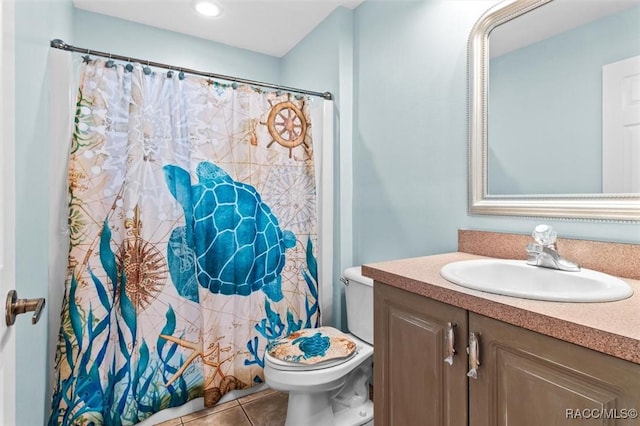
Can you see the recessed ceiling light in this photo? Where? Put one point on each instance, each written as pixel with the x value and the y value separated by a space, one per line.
pixel 207 8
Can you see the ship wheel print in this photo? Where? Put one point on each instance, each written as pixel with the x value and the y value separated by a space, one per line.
pixel 287 125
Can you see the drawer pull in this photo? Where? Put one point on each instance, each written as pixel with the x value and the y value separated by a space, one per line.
pixel 451 343
pixel 474 355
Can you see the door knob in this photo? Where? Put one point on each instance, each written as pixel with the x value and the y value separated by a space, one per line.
pixel 15 307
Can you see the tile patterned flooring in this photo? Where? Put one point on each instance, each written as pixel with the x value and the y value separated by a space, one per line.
pixel 265 408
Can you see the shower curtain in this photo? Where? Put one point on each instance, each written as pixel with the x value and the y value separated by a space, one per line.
pixel 192 219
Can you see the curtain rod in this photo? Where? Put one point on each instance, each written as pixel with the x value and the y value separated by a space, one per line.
pixel 60 44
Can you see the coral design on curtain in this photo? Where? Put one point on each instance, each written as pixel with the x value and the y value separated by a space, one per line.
pixel 192 215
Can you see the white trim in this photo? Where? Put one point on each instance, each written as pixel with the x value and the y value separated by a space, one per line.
pixel 326 191
pixel 7 208
pixel 321 112
pixel 345 188
pixel 62 102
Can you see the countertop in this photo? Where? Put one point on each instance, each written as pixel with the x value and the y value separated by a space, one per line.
pixel 612 328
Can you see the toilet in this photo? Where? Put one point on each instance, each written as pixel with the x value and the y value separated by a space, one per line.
pixel 335 390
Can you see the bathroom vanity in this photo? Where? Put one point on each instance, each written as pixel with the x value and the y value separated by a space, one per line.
pixel 449 355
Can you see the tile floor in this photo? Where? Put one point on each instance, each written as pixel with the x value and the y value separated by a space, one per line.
pixel 265 408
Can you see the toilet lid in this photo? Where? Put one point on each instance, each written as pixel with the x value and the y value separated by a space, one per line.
pixel 312 346
pixel 293 366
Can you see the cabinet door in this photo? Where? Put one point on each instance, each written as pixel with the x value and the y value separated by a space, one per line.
pixel 528 379
pixel 412 384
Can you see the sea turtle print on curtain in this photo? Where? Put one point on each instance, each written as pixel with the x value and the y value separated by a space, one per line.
pixel 193 241
pixel 239 246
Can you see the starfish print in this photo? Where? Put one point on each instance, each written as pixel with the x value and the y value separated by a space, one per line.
pixel 218 364
pixel 198 351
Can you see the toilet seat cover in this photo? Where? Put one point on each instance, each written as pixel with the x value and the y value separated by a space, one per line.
pixel 312 346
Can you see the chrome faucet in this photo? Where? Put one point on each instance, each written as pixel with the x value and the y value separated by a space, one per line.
pixel 544 252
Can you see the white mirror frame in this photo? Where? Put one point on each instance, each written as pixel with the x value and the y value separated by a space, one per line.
pixel 606 207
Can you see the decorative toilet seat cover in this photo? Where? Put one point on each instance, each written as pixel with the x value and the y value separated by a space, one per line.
pixel 312 346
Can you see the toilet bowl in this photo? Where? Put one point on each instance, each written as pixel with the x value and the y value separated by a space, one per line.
pixel 333 391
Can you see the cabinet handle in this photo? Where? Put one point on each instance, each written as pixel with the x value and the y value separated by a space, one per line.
pixel 474 355
pixel 451 343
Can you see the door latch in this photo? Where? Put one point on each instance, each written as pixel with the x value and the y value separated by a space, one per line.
pixel 15 307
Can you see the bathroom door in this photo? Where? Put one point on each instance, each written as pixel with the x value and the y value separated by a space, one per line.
pixel 621 126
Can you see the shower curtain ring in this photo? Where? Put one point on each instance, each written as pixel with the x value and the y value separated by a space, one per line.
pixel 146 70
pixel 110 63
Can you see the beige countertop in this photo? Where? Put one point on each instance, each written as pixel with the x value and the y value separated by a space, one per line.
pixel 612 327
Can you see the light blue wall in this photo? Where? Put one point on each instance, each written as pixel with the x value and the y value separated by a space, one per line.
pixel 548 97
pixel 37 21
pixel 322 62
pixel 410 145
pixel 314 63
pixel 108 34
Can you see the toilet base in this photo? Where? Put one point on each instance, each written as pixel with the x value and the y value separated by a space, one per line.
pixel 346 405
pixel 315 409
pixel 362 415
pixel 309 408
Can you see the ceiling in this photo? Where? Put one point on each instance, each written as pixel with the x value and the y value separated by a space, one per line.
pixel 271 27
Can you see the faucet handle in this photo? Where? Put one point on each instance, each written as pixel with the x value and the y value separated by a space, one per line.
pixel 545 235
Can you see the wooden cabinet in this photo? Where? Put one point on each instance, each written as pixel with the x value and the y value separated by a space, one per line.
pixel 524 378
pixel 412 384
pixel 527 378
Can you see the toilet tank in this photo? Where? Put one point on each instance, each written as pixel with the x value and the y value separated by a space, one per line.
pixel 359 296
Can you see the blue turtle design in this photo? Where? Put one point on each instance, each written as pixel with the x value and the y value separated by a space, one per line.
pixel 231 233
pixel 313 346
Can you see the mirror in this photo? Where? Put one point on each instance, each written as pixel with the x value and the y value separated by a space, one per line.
pixel 546 139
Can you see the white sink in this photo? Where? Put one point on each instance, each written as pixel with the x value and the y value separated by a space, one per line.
pixel 516 278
